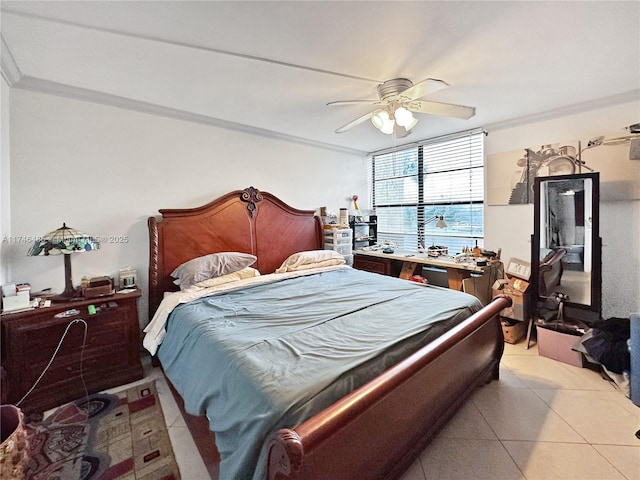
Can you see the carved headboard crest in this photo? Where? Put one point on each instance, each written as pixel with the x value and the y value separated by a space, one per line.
pixel 252 196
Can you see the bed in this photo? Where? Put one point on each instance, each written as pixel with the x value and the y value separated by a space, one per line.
pixel 369 421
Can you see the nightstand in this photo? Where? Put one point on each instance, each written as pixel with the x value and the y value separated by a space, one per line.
pixel 111 354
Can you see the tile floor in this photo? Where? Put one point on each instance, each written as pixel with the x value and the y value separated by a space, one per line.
pixel 542 420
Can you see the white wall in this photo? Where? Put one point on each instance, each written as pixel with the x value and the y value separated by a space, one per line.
pixel 5 226
pixel 104 170
pixel 510 227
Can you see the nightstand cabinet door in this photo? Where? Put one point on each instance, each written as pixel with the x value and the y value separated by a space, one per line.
pixel 110 357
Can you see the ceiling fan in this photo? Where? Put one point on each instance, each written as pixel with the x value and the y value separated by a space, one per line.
pixel 399 97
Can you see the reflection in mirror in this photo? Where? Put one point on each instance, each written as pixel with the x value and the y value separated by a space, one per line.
pixel 567 226
pixel 566 238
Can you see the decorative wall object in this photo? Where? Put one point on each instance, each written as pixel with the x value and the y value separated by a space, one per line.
pixel 510 175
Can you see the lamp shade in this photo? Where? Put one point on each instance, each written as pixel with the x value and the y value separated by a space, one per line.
pixel 65 241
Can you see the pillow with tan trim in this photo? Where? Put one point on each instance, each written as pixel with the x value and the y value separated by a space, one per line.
pixel 210 266
pixel 311 259
pixel 246 272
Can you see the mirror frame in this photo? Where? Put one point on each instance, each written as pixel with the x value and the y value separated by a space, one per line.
pixel 596 255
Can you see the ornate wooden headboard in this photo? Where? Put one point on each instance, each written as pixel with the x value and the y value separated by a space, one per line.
pixel 247 221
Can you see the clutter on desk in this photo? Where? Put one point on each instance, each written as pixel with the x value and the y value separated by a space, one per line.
pixel 435 250
pixel 491 254
pixel 380 246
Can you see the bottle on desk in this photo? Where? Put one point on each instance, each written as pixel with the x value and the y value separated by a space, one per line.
pixel 477 251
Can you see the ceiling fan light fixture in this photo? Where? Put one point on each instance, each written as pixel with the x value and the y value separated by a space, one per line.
pixel 383 122
pixel 387 128
pixel 403 117
pixel 412 124
pixel 378 119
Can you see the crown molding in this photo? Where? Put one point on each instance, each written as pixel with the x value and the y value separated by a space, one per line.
pixel 189 45
pixel 631 96
pixel 8 66
pixel 77 93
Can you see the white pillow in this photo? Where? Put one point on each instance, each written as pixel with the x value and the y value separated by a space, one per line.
pixel 246 272
pixel 210 266
pixel 311 259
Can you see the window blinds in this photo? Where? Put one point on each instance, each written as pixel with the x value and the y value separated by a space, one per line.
pixel 437 177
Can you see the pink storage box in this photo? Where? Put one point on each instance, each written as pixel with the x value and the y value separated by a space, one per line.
pixel 557 345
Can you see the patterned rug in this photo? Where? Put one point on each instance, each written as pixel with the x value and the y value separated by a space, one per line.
pixel 121 436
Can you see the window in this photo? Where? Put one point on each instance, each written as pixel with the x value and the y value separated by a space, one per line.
pixel 415 185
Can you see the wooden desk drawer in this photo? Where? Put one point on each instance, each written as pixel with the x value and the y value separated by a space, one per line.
pixel 371 264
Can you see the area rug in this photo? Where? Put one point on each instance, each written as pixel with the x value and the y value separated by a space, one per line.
pixel 121 436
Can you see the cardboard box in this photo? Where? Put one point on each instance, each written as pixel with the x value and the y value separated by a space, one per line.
pixel 513 331
pixel 515 289
pixel 558 346
pixel 518 268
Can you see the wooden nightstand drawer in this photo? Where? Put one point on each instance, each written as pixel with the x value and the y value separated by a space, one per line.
pixel 111 354
pixel 64 367
pixel 102 330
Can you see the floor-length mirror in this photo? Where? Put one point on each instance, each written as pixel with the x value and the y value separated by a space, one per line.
pixel 566 246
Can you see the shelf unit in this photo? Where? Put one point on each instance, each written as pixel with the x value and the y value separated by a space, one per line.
pixel 340 240
pixel 365 232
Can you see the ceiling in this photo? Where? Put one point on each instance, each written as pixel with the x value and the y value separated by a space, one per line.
pixel 271 67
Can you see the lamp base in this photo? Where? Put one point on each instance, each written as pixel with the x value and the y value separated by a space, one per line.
pixel 68 296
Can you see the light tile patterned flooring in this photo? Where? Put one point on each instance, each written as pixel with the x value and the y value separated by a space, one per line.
pixel 542 420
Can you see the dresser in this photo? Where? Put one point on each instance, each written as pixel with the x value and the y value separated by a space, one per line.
pixel 110 357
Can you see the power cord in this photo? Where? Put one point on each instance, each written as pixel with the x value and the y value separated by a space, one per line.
pixel 84 341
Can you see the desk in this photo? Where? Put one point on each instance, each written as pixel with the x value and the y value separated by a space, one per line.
pixel 456 271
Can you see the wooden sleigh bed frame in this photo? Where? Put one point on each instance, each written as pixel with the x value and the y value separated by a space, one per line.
pixel 379 429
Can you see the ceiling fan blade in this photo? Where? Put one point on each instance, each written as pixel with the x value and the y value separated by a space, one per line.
pixel 357 121
pixel 444 109
pixel 420 89
pixel 355 102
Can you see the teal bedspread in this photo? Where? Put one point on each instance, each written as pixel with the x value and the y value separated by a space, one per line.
pixel 269 356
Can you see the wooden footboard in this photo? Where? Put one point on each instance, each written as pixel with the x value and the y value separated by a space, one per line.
pixel 378 430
